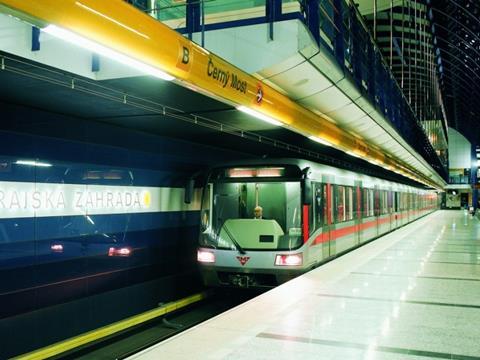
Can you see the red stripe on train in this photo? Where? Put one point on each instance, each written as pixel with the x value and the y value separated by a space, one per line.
pixel 338 233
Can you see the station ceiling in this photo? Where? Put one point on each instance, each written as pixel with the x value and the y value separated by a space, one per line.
pixel 420 36
pixel 145 104
pixel 157 107
pixel 457 40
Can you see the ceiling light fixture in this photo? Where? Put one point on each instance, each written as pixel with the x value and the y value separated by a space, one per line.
pixel 258 115
pixel 104 51
pixel 321 141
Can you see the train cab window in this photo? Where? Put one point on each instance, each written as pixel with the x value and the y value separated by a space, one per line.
pixel 232 222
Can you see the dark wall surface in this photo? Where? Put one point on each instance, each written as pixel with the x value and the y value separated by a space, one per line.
pixel 93 227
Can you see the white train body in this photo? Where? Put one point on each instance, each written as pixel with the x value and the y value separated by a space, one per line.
pixel 311 214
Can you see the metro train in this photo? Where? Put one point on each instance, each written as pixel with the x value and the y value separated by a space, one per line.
pixel 311 214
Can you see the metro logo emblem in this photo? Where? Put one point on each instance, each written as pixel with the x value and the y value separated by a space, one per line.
pixel 259 96
pixel 243 259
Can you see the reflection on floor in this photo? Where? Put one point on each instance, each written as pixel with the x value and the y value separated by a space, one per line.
pixel 413 294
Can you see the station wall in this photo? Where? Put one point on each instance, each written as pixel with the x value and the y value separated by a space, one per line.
pixel 93 226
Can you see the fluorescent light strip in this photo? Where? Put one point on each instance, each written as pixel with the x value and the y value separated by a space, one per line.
pixel 104 51
pixel 351 153
pixel 110 19
pixel 259 115
pixel 321 141
pixel 32 163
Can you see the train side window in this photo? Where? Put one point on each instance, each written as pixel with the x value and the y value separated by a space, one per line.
pixel 381 202
pixel 365 203
pixel 318 205
pixel 390 201
pixel 340 204
pixel 349 204
pixel 206 215
pixel 385 202
pixel 371 200
pixel 327 204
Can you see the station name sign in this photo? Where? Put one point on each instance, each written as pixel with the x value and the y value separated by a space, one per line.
pixel 28 199
pixel 225 77
pixel 19 199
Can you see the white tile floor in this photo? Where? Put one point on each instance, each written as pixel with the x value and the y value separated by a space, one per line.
pixel 413 294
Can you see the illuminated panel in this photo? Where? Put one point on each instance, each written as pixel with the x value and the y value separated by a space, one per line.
pixel 25 199
pixel 58 248
pixel 123 252
pixel 256 172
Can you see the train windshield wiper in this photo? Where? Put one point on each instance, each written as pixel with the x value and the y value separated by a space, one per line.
pixel 235 242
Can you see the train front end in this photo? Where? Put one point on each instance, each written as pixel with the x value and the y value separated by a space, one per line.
pixel 251 230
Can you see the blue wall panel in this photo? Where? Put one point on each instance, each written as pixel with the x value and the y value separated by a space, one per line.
pixel 58 278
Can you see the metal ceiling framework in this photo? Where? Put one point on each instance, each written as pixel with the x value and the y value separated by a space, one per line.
pixel 403 32
pixel 456 35
pixel 433 48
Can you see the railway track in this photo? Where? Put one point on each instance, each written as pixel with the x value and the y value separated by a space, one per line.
pixel 128 342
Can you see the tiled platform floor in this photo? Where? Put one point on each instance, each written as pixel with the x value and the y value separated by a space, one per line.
pixel 413 294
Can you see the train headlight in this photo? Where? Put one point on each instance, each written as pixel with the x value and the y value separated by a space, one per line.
pixel 289 260
pixel 205 256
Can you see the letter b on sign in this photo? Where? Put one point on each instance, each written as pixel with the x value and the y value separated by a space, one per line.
pixel 185 57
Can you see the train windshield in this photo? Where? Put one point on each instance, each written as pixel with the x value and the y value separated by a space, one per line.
pixel 252 216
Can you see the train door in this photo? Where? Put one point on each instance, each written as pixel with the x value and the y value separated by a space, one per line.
pixel 410 207
pixel 368 222
pixel 390 195
pixel 328 219
pixel 319 225
pixel 358 211
pixel 376 209
pixel 396 211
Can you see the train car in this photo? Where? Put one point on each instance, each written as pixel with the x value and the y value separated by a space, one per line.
pixel 267 221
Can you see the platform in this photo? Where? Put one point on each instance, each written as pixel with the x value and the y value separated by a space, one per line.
pixel 412 294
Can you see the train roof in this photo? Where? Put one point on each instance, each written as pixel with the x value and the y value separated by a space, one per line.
pixel 323 172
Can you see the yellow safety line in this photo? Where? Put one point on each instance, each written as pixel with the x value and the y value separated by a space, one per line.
pixel 111 329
